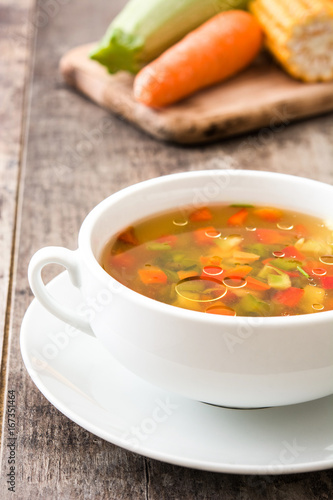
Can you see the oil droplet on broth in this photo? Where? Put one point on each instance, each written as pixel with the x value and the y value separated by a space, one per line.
pixel 317 307
pixel 199 289
pixel 326 259
pixel 213 270
pixel 234 236
pixel 213 234
pixel 278 254
pixel 250 228
pixel 285 226
pixel 222 310
pixel 319 271
pixel 234 282
pixel 180 222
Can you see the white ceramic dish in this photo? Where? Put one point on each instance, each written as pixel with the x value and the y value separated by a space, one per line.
pixel 229 361
pixel 80 378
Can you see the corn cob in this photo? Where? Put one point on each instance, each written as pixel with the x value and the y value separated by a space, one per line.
pixel 299 33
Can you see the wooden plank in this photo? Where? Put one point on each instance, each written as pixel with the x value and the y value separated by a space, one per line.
pixel 167 482
pixel 77 154
pixel 258 97
pixel 54 457
pixel 15 41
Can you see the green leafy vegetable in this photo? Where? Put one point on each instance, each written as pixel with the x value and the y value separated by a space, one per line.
pixel 279 281
pixel 251 304
pixel 301 270
pixel 286 264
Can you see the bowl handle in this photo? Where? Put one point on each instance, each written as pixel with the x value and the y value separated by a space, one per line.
pixel 70 260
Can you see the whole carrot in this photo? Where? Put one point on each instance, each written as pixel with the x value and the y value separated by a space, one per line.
pixel 216 50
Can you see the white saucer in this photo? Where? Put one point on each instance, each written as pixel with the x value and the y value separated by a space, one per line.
pixel 87 384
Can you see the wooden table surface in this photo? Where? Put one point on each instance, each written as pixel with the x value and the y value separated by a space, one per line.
pixel 60 156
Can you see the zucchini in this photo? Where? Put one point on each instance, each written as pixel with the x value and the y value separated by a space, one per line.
pixel 145 29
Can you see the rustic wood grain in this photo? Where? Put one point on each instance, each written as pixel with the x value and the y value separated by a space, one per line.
pixel 76 155
pixel 258 97
pixel 15 41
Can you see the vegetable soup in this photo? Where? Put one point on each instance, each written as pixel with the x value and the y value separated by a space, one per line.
pixel 233 260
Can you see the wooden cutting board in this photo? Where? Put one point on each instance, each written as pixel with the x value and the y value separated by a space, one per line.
pixel 261 97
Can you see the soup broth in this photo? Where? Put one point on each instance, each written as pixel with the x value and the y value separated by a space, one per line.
pixel 234 260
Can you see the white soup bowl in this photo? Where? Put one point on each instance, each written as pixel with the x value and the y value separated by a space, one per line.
pixel 242 362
